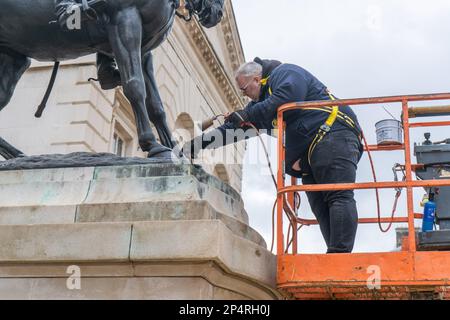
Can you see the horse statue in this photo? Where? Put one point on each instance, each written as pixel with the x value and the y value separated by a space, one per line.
pixel 128 31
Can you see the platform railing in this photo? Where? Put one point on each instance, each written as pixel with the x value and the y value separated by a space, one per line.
pixel 409 184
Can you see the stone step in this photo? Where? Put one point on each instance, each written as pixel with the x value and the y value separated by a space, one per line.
pixel 218 193
pixel 136 183
pixel 81 174
pixel 126 212
pixel 138 242
pixel 165 211
pixel 177 188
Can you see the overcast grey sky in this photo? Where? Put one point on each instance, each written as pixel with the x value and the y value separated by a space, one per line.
pixel 358 48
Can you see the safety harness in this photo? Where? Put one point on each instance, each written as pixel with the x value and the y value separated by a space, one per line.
pixel 324 129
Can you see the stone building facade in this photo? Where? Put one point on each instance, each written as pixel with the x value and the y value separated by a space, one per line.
pixel 194 70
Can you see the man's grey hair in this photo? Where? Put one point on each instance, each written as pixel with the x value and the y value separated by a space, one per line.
pixel 249 69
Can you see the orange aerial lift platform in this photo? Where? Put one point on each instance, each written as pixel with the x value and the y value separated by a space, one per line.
pixel 412 273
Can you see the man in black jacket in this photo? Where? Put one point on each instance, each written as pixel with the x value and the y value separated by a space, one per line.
pixel 323 145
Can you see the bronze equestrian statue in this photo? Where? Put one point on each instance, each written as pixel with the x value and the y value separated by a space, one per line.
pixel 124 30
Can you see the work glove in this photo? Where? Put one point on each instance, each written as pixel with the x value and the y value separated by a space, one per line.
pixel 238 118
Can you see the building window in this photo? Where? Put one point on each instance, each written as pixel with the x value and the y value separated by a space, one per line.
pixel 119 145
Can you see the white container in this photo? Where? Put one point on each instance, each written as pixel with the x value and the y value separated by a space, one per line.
pixel 389 132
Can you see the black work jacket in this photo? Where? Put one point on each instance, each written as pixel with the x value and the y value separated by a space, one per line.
pixel 290 83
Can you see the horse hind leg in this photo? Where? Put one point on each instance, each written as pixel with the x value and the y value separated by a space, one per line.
pixel 12 67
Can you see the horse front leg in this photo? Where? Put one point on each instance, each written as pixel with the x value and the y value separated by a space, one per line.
pixel 125 37
pixel 154 104
pixel 12 67
pixel 9 152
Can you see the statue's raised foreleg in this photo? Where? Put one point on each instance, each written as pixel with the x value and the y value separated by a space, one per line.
pixel 125 37
pixel 154 104
pixel 12 67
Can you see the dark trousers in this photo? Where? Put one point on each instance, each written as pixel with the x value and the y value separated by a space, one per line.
pixel 335 160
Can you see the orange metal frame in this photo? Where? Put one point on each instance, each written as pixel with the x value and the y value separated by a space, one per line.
pixel 312 276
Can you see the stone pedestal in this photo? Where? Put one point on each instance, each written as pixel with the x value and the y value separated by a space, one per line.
pixel 147 231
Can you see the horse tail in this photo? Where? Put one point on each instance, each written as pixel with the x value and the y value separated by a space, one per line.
pixel 43 104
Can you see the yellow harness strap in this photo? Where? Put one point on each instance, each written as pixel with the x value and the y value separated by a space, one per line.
pixel 334 113
pixel 326 127
pixel 264 81
pixel 349 121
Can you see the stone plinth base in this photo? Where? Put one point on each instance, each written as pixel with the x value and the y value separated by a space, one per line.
pixel 153 231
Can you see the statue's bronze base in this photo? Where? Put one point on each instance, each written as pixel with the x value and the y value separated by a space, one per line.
pixel 78 159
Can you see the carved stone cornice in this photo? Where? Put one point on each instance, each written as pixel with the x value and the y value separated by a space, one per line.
pixel 211 58
pixel 231 36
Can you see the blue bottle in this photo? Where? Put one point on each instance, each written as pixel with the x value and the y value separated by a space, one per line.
pixel 429 213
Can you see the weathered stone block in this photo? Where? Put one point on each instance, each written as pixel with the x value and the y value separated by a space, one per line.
pixel 202 240
pixel 68 242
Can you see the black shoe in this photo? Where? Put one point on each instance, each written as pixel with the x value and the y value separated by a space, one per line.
pixel 109 79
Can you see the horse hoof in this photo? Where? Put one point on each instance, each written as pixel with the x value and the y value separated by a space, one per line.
pixel 160 153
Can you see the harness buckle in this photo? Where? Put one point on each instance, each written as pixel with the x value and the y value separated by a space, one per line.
pixel 325 128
